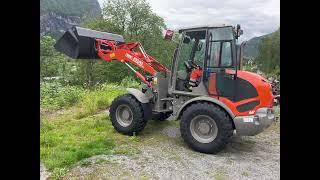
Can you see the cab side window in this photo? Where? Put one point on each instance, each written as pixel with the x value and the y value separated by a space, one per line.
pixel 220 54
pixel 226 60
pixel 214 55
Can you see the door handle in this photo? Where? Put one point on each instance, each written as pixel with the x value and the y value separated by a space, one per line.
pixel 222 70
pixel 232 76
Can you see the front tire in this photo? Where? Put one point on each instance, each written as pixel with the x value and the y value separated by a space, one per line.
pixel 206 127
pixel 127 115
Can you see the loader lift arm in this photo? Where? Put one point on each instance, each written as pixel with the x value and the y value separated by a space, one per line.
pixel 125 53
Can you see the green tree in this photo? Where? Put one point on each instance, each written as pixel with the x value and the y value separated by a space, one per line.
pixel 52 63
pixel 55 64
pixel 134 20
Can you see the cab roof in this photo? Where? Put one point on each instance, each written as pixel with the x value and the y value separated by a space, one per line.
pixel 203 26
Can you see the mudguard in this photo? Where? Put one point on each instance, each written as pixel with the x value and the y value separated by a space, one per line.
pixel 139 95
pixel 144 100
pixel 208 99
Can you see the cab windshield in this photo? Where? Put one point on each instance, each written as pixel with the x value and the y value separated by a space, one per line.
pixel 192 48
pixel 218 34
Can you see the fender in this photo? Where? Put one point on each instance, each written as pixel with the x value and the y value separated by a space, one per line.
pixel 208 99
pixel 139 95
pixel 144 100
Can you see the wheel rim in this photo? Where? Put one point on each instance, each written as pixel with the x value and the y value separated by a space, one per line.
pixel 203 128
pixel 124 115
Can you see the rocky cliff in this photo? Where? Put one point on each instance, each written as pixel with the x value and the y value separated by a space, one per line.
pixel 58 15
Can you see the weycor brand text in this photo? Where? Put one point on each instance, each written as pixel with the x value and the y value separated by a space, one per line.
pixel 134 59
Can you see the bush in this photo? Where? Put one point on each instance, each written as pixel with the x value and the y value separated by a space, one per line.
pixel 55 96
pixel 129 82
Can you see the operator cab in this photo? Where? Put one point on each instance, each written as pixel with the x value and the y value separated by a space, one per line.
pixel 205 60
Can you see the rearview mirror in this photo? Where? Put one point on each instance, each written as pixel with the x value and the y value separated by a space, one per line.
pixel 239 31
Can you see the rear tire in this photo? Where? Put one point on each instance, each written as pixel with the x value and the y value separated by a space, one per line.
pixel 206 127
pixel 127 115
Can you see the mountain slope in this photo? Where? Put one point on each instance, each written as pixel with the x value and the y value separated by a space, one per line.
pixel 268 60
pixel 252 46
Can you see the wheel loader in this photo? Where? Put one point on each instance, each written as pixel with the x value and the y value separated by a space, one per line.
pixel 204 88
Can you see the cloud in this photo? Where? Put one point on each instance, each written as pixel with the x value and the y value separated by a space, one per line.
pixel 256 17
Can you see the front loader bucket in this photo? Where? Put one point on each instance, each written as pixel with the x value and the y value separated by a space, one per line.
pixel 79 43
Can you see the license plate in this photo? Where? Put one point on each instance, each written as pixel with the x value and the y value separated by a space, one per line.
pixel 248 119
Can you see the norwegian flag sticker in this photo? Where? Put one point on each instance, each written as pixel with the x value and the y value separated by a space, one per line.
pixel 169 34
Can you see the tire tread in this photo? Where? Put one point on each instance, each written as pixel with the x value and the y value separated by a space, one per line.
pixel 139 121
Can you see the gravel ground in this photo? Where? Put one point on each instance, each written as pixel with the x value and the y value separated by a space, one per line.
pixel 255 157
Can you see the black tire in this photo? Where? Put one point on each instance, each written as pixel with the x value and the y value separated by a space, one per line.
pixel 218 115
pixel 161 116
pixel 138 122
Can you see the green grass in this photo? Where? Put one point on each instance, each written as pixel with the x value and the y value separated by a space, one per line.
pixel 73 126
pixel 245 173
pixel 99 99
pixel 73 131
pixel 65 141
pixel 79 132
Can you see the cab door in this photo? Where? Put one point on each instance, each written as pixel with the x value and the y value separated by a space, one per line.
pixel 220 71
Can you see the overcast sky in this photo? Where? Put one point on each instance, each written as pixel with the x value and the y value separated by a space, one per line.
pixel 256 17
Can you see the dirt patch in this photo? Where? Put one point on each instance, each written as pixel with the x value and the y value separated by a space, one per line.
pixel 164 155
pixel 44 174
pixel 107 111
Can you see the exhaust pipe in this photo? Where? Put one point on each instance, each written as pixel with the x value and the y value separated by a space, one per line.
pixel 79 43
